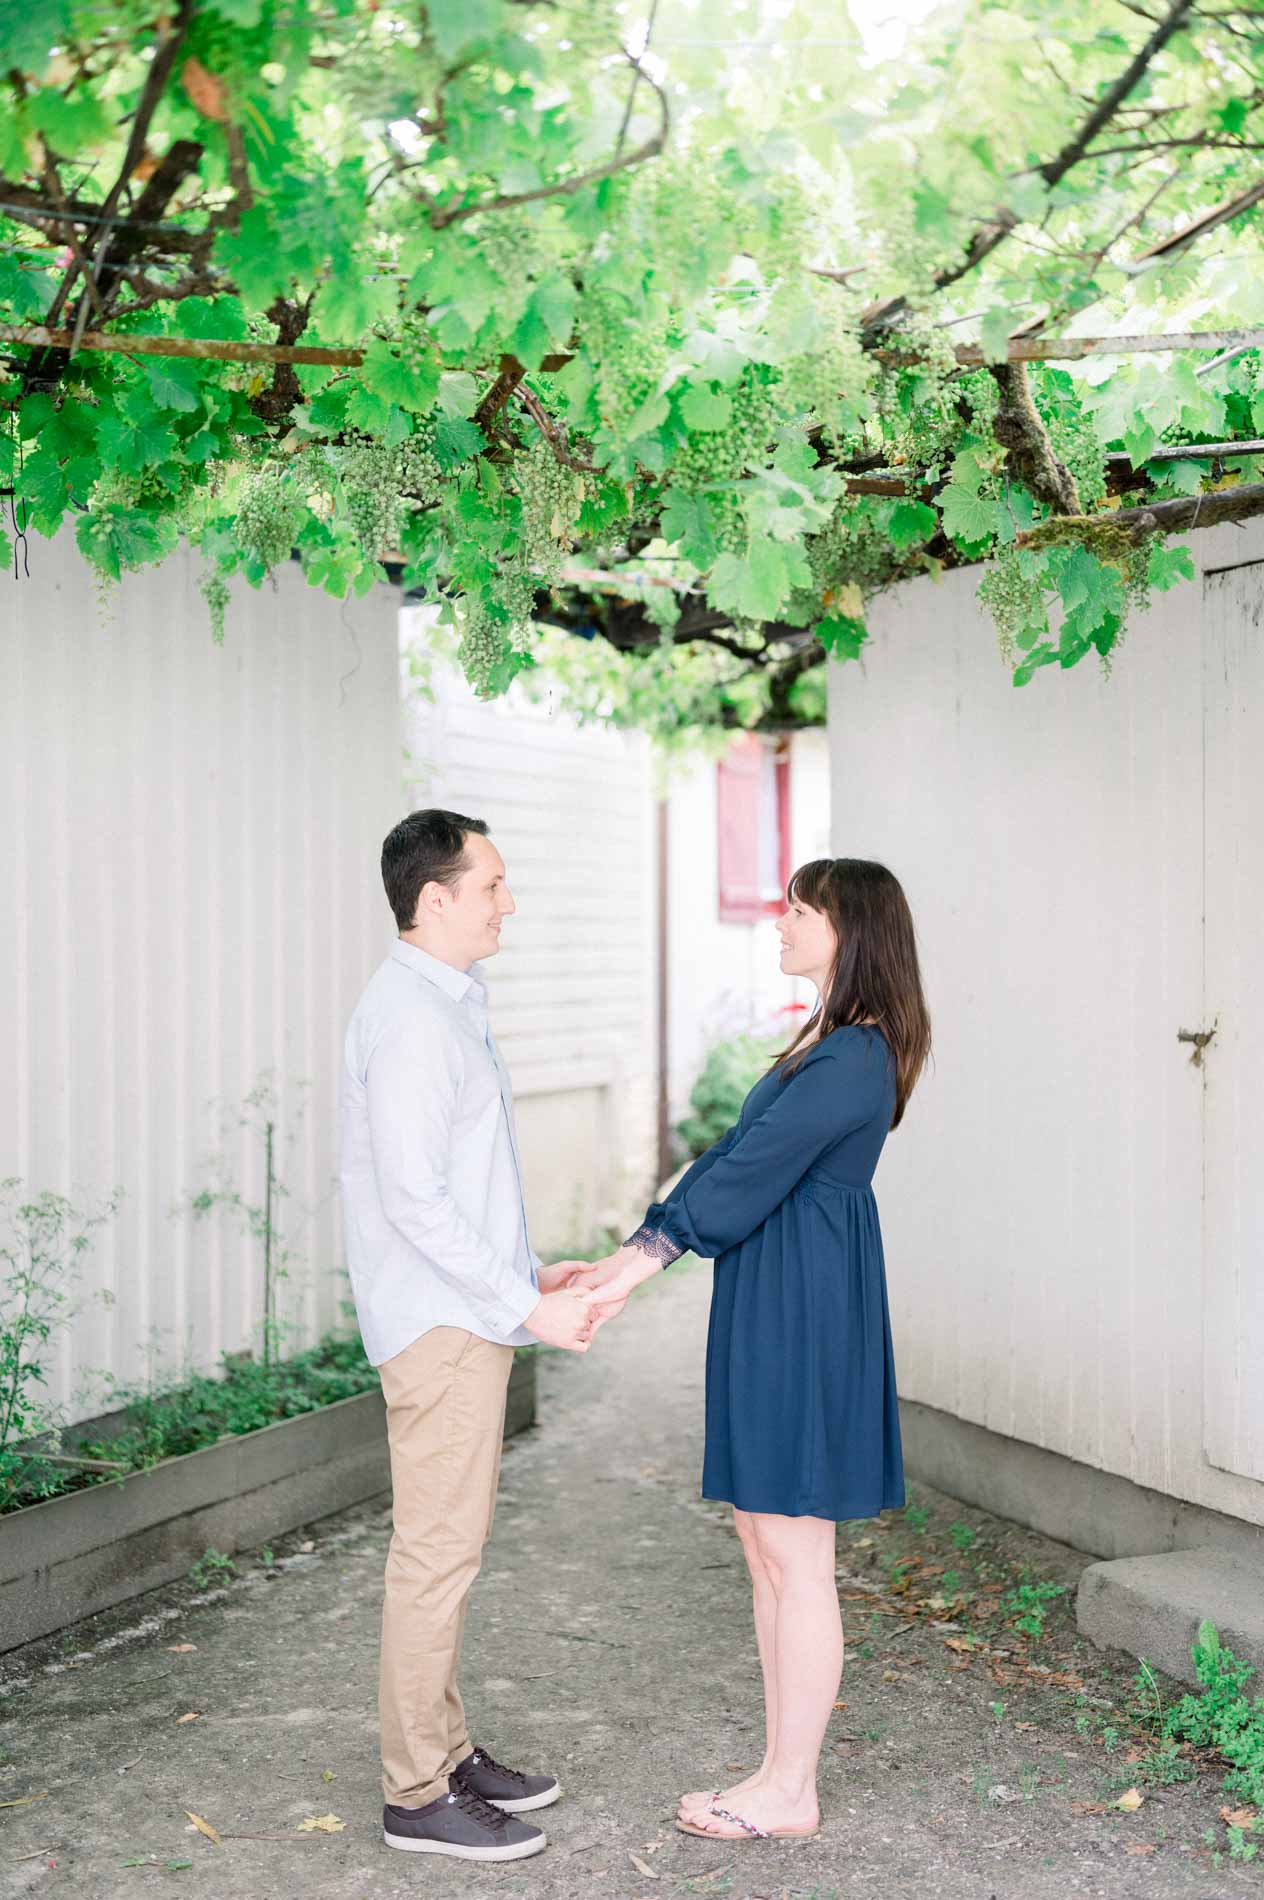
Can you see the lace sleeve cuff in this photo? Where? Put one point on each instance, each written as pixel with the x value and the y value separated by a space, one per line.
pixel 654 1242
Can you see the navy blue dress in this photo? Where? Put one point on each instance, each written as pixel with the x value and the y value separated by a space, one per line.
pixel 801 1405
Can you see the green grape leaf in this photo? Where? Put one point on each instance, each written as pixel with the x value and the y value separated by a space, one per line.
pixel 244 13
pixel 705 408
pixel 967 516
pixel 366 410
pixel 456 439
pixel 911 523
pixel 115 538
pixel 413 385
pixel 841 636
pixel 128 442
pixel 29 31
pixel 458 392
pixel 172 384
pixel 686 520
pixel 68 123
pixel 1166 566
pixel 1177 477
pixel 456 24
pixel 13 135
pixel 994 333
pixel 758 584
pixel 399 426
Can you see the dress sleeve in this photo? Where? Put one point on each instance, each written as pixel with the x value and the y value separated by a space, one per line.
pixel 653 1241
pixel 833 1093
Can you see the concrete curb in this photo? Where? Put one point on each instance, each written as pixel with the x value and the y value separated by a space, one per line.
pixel 73 1556
pixel 1152 1606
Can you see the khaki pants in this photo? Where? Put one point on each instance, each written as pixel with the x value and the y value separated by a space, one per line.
pixel 445 1415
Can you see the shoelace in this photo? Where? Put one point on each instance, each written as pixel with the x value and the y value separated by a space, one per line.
pixel 478 1810
pixel 480 1757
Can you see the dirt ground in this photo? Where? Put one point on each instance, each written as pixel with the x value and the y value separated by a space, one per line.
pixel 610 1642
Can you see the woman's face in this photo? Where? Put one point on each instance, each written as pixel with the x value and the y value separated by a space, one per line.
pixel 808 943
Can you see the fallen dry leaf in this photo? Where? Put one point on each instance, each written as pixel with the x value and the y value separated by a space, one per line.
pixel 1131 1801
pixel 642 1868
pixel 840 1705
pixel 962 1644
pixel 327 1774
pixel 1139 1847
pixel 735 1767
pixel 1089 1807
pixel 204 1827
pixel 181 1649
pixel 1239 1817
pixel 321 1824
pixel 204 89
pixel 890 1675
pixel 194 1715
pixel 1026 1725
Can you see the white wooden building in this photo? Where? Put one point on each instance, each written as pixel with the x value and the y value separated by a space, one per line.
pixel 1074 1208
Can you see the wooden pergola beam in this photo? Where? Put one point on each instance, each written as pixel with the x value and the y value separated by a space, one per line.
pixel 1066 349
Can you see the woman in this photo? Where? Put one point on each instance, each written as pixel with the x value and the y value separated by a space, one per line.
pixel 802 1428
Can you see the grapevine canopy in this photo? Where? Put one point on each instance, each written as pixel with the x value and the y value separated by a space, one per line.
pixel 684 335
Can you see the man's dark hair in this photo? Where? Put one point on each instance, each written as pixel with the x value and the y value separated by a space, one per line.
pixel 424 847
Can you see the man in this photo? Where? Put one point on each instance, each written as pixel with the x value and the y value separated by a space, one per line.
pixel 446 1285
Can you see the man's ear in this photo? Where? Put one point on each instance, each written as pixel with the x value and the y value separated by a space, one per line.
pixel 432 900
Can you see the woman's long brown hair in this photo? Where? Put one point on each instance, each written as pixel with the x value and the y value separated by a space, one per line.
pixel 875 973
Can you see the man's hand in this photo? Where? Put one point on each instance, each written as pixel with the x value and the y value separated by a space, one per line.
pixel 560 1273
pixel 564 1318
pixel 609 1282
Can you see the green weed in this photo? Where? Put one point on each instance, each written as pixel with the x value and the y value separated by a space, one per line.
pixel 212 1567
pixel 1026 1604
pixel 1222 1718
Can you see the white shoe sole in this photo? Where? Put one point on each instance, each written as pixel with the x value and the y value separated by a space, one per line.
pixel 518 1850
pixel 544 1800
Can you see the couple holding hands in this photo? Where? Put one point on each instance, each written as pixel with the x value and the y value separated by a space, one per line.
pixel 802 1427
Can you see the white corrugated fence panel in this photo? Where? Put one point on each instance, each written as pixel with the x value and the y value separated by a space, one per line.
pixel 190 842
pixel 1042 1204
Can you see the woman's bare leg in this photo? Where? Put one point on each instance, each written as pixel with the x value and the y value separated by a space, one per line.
pixel 765 1606
pixel 798 1555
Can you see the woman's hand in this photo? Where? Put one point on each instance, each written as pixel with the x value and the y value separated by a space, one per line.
pixel 611 1280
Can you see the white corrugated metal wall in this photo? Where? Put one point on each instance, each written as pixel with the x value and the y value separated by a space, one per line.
pixel 189 850
pixel 1043 1204
pixel 573 990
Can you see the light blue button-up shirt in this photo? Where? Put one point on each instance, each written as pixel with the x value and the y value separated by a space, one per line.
pixel 433 1215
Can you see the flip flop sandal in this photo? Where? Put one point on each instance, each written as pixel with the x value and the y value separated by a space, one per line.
pixel 749 1830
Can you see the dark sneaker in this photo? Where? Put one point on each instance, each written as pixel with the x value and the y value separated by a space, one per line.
pixel 462 1824
pixel 504 1787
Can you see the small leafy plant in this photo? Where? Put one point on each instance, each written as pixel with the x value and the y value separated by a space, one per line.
pixel 1026 1603
pixel 1222 1718
pixel 728 1075
pixel 42 1244
pixel 212 1567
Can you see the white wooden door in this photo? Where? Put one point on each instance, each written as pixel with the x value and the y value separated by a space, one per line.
pixel 1233 1000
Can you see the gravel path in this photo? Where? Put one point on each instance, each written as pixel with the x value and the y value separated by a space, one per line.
pixel 609 1641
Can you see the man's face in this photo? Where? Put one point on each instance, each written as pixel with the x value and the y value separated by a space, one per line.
pixel 481 900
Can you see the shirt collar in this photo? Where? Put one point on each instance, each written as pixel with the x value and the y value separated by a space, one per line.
pixel 454 983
